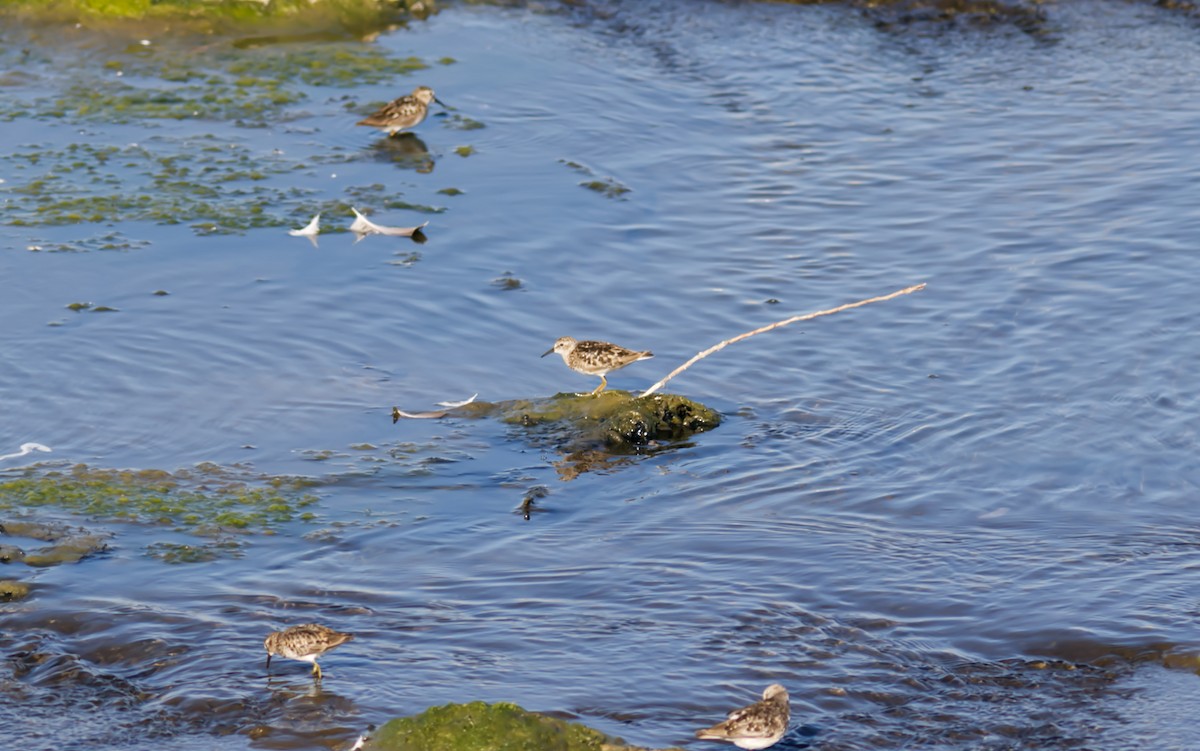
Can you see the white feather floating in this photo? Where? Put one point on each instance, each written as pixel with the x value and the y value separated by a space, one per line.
pixel 363 226
pixel 311 230
pixel 26 448
pixel 398 413
pixel 463 403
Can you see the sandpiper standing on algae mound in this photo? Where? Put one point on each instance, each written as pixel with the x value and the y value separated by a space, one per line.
pixel 406 112
pixel 595 358
pixel 305 643
pixel 758 726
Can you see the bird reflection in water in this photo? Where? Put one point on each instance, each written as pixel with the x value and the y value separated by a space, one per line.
pixel 406 151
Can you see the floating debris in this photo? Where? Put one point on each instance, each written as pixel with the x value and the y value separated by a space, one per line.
pixel 363 226
pixel 311 230
pixel 29 448
pixel 362 739
pixel 397 413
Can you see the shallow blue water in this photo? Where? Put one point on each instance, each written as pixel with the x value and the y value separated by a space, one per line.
pixel 906 507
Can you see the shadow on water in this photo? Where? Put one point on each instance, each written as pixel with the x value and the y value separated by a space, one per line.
pixel 404 151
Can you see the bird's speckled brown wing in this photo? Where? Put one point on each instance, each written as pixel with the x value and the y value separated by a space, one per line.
pixel 308 639
pixel 764 719
pixel 597 355
pixel 402 110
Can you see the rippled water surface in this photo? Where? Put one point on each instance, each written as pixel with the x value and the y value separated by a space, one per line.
pixel 964 518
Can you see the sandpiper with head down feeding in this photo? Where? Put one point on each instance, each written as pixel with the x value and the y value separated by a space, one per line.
pixel 305 643
pixel 595 358
pixel 758 726
pixel 406 112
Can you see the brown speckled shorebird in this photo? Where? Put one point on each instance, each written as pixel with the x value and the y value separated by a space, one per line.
pixel 760 725
pixel 305 643
pixel 406 112
pixel 595 358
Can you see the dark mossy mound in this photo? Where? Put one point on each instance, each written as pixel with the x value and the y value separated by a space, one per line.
pixel 614 420
pixel 13 590
pixel 488 727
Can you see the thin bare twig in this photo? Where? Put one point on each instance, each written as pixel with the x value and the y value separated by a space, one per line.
pixel 777 324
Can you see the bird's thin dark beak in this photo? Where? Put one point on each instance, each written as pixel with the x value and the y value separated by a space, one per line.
pixel 439 101
pixel 268 660
pixel 547 351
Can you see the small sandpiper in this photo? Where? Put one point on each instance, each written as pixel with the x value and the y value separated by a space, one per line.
pixel 760 725
pixel 406 112
pixel 595 358
pixel 305 643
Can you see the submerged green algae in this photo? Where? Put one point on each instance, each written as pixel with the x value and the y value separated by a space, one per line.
pixel 204 175
pixel 249 86
pixel 167 182
pixel 205 500
pixel 214 186
pixel 177 78
pixel 361 16
pixel 609 187
pixel 488 727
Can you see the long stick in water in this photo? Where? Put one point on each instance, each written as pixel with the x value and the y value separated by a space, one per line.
pixel 777 324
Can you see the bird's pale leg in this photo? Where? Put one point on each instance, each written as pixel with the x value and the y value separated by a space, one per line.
pixel 316 670
pixel 603 383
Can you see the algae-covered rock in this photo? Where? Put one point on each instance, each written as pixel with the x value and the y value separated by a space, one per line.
pixel 615 420
pixel 593 432
pixel 67 544
pixel 67 550
pixel 10 553
pixel 13 590
pixel 489 727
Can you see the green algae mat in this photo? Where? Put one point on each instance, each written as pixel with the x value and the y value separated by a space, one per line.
pixel 489 727
pixel 359 14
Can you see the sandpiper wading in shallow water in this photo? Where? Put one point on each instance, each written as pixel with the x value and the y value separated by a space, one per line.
pixel 757 726
pixel 305 643
pixel 595 358
pixel 406 112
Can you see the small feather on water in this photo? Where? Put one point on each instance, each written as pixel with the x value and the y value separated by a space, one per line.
pixel 28 448
pixel 363 226
pixel 397 413
pixel 463 403
pixel 311 230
